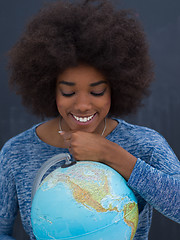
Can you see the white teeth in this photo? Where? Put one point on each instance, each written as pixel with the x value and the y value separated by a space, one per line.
pixel 85 119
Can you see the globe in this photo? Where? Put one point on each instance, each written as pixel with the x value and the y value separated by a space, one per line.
pixel 85 201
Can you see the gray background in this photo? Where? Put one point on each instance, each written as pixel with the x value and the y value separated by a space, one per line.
pixel 161 21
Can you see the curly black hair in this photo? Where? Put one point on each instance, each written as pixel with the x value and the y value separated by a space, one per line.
pixel 64 34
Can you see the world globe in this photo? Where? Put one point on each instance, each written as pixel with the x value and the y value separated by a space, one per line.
pixel 86 201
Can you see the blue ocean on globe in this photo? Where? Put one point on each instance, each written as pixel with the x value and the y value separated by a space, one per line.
pixel 87 201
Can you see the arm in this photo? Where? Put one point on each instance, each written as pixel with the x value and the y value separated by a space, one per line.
pixel 8 200
pixel 157 182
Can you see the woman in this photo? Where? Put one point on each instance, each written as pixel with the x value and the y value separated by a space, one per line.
pixel 84 66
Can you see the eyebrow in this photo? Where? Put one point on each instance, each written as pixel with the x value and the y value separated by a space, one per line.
pixel 92 84
pixel 98 83
pixel 67 83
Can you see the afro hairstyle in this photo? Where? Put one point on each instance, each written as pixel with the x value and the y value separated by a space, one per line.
pixel 64 34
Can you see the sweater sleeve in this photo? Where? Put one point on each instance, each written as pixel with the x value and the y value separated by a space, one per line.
pixel 8 199
pixel 158 181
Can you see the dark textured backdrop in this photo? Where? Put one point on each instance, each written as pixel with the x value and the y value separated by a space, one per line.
pixel 161 20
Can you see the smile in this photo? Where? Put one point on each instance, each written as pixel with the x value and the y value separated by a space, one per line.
pixel 83 119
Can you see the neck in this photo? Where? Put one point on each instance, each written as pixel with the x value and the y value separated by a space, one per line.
pixel 102 133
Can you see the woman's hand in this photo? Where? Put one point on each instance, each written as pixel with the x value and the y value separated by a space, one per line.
pixel 93 147
pixel 85 146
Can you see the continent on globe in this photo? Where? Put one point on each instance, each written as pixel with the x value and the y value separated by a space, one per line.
pixel 131 219
pixel 86 201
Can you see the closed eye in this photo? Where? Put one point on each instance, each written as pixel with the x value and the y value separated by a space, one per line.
pixel 67 94
pixel 98 94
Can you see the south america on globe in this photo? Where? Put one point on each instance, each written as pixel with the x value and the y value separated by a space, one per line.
pixel 86 201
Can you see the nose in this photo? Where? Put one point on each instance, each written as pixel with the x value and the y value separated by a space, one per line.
pixel 82 103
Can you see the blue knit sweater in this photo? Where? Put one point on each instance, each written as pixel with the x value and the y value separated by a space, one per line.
pixel 155 179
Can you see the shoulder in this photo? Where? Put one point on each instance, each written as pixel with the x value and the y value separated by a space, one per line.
pixel 138 134
pixel 19 142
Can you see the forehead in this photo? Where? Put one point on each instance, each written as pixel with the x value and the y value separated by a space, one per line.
pixel 82 74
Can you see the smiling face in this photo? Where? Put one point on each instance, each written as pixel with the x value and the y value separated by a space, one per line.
pixel 83 99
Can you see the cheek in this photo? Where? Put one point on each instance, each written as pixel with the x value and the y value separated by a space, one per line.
pixel 60 103
pixel 64 104
pixel 106 104
pixel 108 99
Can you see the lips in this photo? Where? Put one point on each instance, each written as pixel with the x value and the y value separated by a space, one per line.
pixel 82 119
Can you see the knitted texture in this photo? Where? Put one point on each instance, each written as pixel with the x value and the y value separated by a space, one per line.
pixel 154 180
